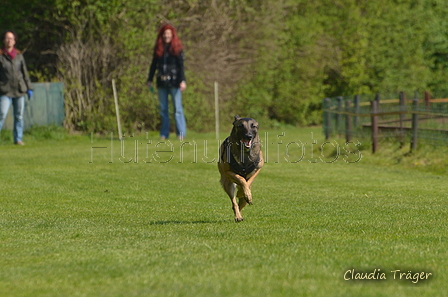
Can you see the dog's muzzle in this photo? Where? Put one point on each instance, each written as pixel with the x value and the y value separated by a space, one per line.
pixel 247 141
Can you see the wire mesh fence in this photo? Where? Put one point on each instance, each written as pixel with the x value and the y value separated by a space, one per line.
pixel 402 118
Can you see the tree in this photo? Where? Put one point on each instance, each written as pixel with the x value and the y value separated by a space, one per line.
pixel 274 60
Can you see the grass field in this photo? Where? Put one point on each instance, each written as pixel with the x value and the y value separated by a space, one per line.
pixel 76 220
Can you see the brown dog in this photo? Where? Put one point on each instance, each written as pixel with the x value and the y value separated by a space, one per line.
pixel 240 162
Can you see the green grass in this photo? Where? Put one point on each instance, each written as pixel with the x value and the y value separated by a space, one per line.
pixel 74 228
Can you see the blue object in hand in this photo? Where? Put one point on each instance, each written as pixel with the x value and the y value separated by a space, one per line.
pixel 30 93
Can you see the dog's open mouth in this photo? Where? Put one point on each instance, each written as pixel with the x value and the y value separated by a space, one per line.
pixel 247 142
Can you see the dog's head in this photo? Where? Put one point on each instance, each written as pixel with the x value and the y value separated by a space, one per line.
pixel 245 130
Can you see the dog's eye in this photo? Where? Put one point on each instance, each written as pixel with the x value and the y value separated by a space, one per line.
pixel 254 126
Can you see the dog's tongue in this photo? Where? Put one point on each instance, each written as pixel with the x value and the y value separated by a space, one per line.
pixel 247 143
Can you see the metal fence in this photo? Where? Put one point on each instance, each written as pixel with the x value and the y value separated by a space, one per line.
pixel 414 119
pixel 46 107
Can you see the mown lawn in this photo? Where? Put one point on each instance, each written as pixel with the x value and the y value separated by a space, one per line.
pixel 76 220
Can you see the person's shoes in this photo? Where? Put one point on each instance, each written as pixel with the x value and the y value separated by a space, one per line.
pixel 20 143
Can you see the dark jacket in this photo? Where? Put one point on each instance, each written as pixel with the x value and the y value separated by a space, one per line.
pixel 170 70
pixel 14 78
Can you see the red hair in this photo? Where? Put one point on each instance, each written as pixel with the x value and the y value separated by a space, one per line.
pixel 176 46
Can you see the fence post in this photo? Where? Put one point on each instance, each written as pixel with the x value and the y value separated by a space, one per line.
pixel 427 98
pixel 117 109
pixel 348 121
pixel 327 118
pixel 216 110
pixel 356 109
pixel 339 115
pixel 414 123
pixel 374 118
pixel 377 99
pixel 402 109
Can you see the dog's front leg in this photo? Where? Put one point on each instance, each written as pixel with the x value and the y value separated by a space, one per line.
pixel 241 199
pixel 244 186
pixel 251 179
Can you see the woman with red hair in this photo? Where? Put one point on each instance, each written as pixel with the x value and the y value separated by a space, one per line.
pixel 168 62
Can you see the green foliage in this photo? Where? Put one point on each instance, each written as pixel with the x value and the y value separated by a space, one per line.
pixel 199 112
pixel 286 85
pixel 112 43
pixel 274 60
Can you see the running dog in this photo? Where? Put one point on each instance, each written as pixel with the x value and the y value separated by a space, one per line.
pixel 240 162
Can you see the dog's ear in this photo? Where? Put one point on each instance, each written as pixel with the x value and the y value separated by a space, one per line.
pixel 237 117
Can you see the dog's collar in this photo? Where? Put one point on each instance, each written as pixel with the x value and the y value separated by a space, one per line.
pixel 237 166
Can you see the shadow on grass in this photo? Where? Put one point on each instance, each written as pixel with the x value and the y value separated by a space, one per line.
pixel 174 222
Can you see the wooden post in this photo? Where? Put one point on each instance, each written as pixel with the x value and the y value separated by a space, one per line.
pixel 374 118
pixel 414 123
pixel 216 110
pixel 339 123
pixel 401 119
pixel 117 111
pixel 377 99
pixel 348 121
pixel 327 118
pixel 427 98
pixel 356 109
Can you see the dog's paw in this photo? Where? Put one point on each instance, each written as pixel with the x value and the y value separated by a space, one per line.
pixel 247 195
pixel 238 219
pixel 248 199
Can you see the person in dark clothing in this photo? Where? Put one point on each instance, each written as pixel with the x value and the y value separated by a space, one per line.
pixel 14 84
pixel 168 62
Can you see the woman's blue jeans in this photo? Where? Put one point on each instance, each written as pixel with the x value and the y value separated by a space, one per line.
pixel 18 105
pixel 181 126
